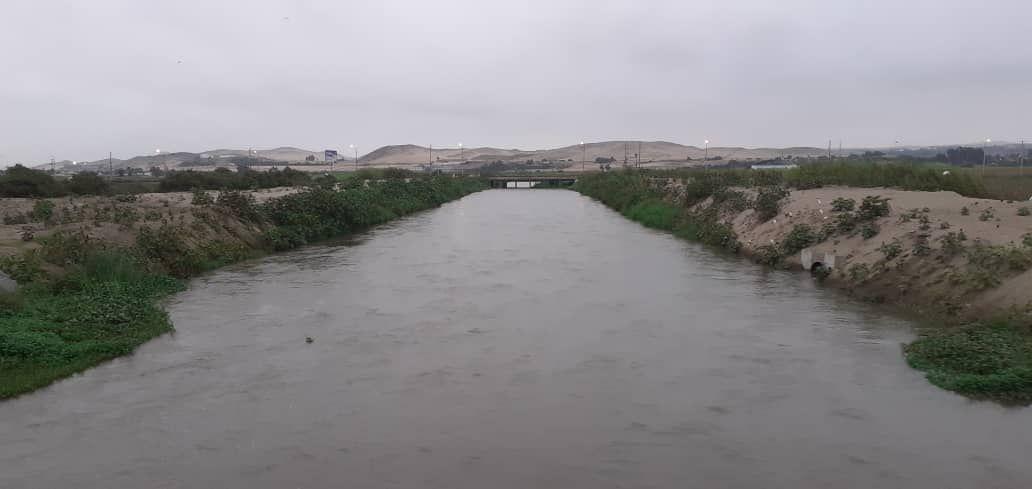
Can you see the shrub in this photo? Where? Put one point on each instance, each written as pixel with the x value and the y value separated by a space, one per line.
pixel 768 254
pixel 768 202
pixel 240 204
pixel 843 205
pixel 1024 211
pixel 869 230
pixel 979 360
pixel 42 211
pixel 986 215
pixel 873 207
pixel 200 197
pixel 858 272
pixel 921 247
pixel 952 243
pixel 891 250
pixel 801 236
pixel 964 211
pixel 19 181
pixel 87 183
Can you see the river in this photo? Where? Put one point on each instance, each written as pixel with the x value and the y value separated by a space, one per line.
pixel 513 339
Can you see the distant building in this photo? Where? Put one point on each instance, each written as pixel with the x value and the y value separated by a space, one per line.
pixel 769 166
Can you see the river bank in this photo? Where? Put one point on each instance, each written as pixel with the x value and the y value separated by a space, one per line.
pixel 92 269
pixel 960 262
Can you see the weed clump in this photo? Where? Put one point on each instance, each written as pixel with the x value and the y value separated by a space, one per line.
pixel 768 202
pixel 991 361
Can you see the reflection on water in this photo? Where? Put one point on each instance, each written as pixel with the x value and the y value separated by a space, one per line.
pixel 512 339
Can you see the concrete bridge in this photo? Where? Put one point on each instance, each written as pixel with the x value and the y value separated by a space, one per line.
pixel 531 181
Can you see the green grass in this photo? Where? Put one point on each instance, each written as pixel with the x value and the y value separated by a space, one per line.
pixel 105 308
pixel 990 361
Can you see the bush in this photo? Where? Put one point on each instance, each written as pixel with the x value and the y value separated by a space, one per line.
pixel 87 183
pixel 200 197
pixel 869 230
pixel 873 207
pixel 843 205
pixel 952 243
pixel 769 254
pixel 986 215
pixel 19 181
pixel 42 211
pixel 801 236
pixel 1024 211
pixel 980 360
pixel 964 211
pixel 891 250
pixel 768 202
pixel 224 179
pixel 239 204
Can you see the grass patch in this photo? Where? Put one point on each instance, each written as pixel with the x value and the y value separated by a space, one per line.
pixel 991 361
pixel 103 309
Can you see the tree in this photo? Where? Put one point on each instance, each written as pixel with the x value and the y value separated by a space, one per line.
pixel 87 183
pixel 156 171
pixel 19 181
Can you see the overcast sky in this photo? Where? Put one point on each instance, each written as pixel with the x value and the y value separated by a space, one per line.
pixel 81 78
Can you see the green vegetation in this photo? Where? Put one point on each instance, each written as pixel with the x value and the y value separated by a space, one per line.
pixel 224 178
pixel 83 302
pixel 843 205
pixel 864 175
pixel 630 193
pixel 768 202
pixel 104 308
pixel 992 361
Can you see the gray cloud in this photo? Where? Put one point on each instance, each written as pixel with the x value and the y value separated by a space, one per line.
pixel 82 78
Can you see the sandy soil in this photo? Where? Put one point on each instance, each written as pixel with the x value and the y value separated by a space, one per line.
pixel 80 213
pixel 928 281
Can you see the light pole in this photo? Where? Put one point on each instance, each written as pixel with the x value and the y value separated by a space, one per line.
pixel 705 159
pixel 355 149
pixel 985 156
pixel 583 153
pixel 460 153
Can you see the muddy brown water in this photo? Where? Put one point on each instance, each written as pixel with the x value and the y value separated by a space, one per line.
pixel 513 339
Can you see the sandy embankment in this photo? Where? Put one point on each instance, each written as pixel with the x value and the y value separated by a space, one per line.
pixel 932 281
pixel 73 214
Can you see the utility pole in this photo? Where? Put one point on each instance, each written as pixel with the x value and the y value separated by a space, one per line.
pixel 52 169
pixel 431 156
pixel 829 150
pixel 639 154
pixel 110 166
pixel 1021 160
pixel 985 156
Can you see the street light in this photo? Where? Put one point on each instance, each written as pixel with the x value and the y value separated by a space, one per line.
pixel 583 157
pixel 355 149
pixel 985 156
pixel 705 158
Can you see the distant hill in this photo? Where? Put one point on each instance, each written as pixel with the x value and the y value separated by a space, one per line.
pixel 663 153
pixel 651 151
